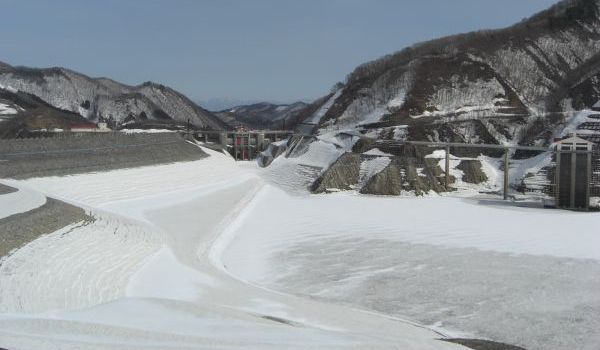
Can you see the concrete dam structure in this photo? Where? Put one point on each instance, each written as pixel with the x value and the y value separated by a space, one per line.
pixel 242 145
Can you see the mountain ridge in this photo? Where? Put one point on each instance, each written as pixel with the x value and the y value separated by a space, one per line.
pixel 262 115
pixel 104 98
pixel 495 86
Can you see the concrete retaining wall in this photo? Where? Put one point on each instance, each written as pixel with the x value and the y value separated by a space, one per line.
pixel 77 153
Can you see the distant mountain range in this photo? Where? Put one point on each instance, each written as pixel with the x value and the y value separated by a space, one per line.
pixel 262 115
pixel 515 85
pixel 57 91
pixel 96 98
pixel 220 104
pixel 512 85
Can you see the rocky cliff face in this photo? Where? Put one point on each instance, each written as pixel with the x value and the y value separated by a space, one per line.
pixel 95 98
pixel 504 86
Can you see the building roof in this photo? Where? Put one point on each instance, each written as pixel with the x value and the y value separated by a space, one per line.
pixel 597 105
pixel 575 141
pixel 84 126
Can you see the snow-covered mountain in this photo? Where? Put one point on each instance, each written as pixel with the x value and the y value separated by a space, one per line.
pixel 95 98
pixel 21 113
pixel 262 115
pixel 498 86
pixel 216 104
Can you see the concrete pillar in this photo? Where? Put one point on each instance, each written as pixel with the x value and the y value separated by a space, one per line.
pixel 447 168
pixel 573 175
pixel 249 149
pixel 223 139
pixel 235 146
pixel 589 180
pixel 557 178
pixel 506 168
pixel 260 142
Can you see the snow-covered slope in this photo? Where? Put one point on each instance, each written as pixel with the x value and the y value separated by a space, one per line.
pixel 474 266
pixel 19 202
pixel 105 98
pixel 214 253
pixel 488 86
pixel 148 273
pixel 22 113
pixel 6 110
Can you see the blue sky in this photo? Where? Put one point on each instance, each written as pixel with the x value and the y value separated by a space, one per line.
pixel 276 50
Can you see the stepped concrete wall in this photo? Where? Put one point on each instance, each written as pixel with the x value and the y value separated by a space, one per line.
pixel 78 153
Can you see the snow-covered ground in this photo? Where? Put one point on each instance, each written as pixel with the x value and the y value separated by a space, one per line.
pixel 316 117
pixel 520 275
pixel 20 202
pixel 218 254
pixel 296 173
pixel 147 272
pixel 6 109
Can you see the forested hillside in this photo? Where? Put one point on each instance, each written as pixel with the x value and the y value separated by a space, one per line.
pixel 516 85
